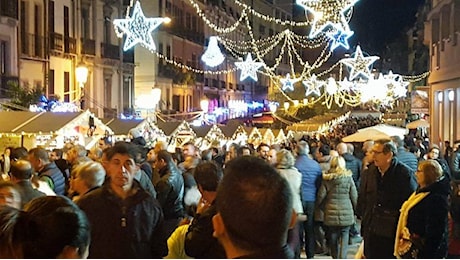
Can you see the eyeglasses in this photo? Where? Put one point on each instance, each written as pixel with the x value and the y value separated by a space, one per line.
pixel 376 152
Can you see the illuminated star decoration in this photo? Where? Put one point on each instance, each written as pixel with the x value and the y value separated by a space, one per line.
pixel 359 65
pixel 312 85
pixel 327 13
pixel 288 83
pixel 248 68
pixel 400 88
pixel 138 29
pixel 213 57
pixel 340 38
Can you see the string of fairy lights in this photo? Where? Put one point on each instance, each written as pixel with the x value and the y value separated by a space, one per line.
pixel 327 21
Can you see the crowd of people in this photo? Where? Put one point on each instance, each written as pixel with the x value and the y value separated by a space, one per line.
pixel 306 197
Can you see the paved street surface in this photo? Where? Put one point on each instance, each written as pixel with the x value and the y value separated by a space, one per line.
pixel 351 251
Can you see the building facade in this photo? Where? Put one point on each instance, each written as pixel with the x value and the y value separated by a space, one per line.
pixel 442 31
pixel 55 37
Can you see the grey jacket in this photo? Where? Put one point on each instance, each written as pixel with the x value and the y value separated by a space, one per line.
pixel 337 196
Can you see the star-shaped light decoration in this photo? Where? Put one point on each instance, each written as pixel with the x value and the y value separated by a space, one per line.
pixel 359 65
pixel 288 83
pixel 340 38
pixel 248 68
pixel 138 28
pixel 312 85
pixel 213 57
pixel 400 88
pixel 327 13
pixel 346 85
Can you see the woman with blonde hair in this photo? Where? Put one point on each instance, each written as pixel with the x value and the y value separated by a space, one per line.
pixel 285 165
pixel 337 196
pixel 422 226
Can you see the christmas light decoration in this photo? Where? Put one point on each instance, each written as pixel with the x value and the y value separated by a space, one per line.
pixel 288 83
pixel 359 65
pixel 138 29
pixel 249 68
pixel 327 13
pixel 340 38
pixel 312 85
pixel 213 57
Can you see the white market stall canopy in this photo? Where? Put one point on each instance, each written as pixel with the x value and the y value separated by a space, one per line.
pixel 52 129
pixel 381 131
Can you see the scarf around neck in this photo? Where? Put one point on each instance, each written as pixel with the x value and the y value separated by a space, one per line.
pixel 402 232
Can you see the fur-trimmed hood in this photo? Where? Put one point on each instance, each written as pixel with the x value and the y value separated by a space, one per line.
pixel 336 175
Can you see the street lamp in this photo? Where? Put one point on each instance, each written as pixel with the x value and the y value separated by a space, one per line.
pixel 81 73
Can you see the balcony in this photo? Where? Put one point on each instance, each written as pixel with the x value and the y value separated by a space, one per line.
pixel 33 45
pixel 56 41
pixel 9 8
pixel 88 47
pixel 70 45
pixel 4 84
pixel 109 51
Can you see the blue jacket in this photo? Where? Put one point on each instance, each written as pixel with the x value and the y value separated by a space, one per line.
pixel 407 158
pixel 311 176
pixel 52 172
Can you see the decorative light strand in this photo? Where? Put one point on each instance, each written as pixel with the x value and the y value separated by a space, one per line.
pixel 212 25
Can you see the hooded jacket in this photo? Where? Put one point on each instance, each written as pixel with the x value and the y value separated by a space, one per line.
pixel 337 196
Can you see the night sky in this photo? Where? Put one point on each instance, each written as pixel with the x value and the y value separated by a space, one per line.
pixel 379 22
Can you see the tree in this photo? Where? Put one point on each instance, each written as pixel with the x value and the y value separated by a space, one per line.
pixel 24 95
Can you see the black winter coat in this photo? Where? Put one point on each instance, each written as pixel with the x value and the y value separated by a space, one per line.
pixel 428 219
pixel 170 192
pixel 129 228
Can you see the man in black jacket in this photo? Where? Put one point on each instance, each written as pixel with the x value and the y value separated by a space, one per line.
pixel 388 184
pixel 21 174
pixel 199 242
pixel 126 221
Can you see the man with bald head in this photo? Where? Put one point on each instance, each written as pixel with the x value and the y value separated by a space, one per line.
pixel 21 174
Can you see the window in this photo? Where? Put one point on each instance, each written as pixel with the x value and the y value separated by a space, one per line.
pixel 51 83
pixel 66 86
pixel 51 16
pixel 3 57
pixel 85 23
pixel 168 51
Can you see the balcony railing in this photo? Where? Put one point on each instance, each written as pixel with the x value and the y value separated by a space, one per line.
pixel 88 47
pixel 33 45
pixel 4 87
pixel 56 41
pixel 9 8
pixel 70 45
pixel 110 51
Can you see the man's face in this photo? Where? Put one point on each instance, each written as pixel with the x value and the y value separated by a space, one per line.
pixel 232 153
pixel 151 155
pixel 53 156
pixel 121 170
pixel 188 150
pixel 246 152
pixel 381 159
pixel 263 152
pixel 271 158
pixel 36 163
pixel 10 197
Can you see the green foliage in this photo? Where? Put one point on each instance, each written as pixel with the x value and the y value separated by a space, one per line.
pixel 23 95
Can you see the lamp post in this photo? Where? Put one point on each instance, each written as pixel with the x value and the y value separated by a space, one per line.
pixel 81 73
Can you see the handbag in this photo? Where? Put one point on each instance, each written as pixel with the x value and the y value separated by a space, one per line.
pixel 409 248
pixel 384 222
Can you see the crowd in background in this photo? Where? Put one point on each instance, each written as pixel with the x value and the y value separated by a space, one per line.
pixel 310 196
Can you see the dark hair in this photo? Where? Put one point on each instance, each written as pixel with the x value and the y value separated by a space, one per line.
pixel 324 149
pixel 122 148
pixel 260 146
pixel 18 153
pixel 414 149
pixel 40 153
pixel 21 169
pixel 58 152
pixel 208 174
pixel 255 204
pixel 46 226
